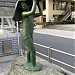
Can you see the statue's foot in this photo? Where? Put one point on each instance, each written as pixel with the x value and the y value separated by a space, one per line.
pixel 28 66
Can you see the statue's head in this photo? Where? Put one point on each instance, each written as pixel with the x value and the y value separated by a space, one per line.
pixel 25 6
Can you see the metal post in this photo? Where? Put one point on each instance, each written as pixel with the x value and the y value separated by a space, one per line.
pixel 2 22
pixel 49 54
pixel 13 25
pixel 18 38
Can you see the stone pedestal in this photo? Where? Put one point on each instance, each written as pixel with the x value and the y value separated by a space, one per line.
pixel 17 68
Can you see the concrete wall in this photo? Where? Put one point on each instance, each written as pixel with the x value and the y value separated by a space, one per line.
pixel 14 43
pixel 54 12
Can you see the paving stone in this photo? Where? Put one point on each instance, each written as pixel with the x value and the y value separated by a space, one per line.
pixel 47 68
pixel 5 67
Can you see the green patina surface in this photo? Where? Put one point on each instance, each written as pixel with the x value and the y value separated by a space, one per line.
pixel 30 67
pixel 25 11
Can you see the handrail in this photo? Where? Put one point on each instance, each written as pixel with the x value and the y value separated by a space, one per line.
pixel 56 60
pixel 63 63
pixel 56 50
pixel 49 57
pixel 67 15
pixel 7 5
pixel 8 1
pixel 65 12
pixel 41 45
pixel 63 52
pixel 50 49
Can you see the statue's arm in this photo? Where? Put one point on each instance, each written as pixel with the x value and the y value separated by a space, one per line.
pixel 32 10
pixel 40 11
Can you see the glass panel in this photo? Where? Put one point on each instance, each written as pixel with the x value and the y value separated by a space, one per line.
pixel 58 5
pixel 61 5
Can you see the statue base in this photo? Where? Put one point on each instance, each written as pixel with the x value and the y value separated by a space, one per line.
pixel 28 66
pixel 18 68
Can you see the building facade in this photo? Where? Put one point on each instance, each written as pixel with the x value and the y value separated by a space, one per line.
pixel 57 9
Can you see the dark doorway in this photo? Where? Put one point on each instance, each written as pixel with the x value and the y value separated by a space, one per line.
pixel 72 6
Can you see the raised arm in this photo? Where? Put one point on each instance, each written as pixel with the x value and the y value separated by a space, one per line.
pixel 40 11
pixel 32 10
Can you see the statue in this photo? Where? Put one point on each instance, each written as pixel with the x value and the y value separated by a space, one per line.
pixel 25 11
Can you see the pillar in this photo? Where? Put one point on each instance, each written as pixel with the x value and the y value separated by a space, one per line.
pixel 2 22
pixel 41 5
pixel 55 5
pixel 68 5
pixel 74 5
pixel 49 10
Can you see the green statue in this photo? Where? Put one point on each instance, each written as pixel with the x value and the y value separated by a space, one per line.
pixel 25 11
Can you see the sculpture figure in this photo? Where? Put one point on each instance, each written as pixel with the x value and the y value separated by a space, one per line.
pixel 25 11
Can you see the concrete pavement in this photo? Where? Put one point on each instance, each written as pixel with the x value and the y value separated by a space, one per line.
pixel 56 32
pixel 66 30
pixel 5 66
pixel 65 27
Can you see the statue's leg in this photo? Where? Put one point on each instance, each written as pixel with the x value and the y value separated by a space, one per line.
pixel 29 43
pixel 27 35
pixel 31 35
pixel 28 52
pixel 28 56
pixel 31 48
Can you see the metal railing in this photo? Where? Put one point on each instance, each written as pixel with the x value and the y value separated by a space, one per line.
pixel 67 15
pixel 50 49
pixel 7 3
